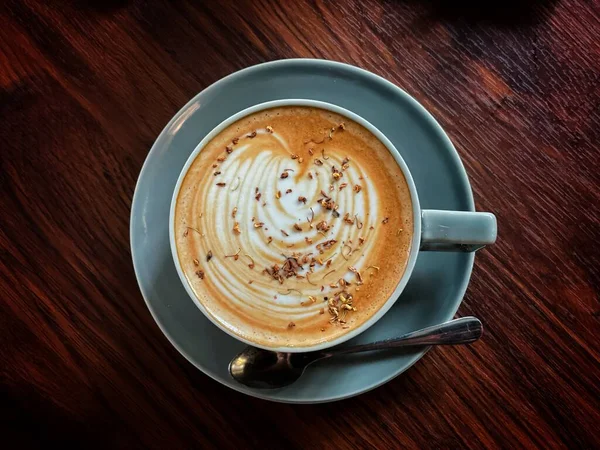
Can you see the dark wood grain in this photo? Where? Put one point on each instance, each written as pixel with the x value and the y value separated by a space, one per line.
pixel 85 88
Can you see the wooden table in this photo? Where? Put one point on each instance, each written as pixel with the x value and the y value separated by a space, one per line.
pixel 85 88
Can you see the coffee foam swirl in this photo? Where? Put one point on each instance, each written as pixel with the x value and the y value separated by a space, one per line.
pixel 235 290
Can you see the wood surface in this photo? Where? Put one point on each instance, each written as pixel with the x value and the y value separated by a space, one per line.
pixel 86 87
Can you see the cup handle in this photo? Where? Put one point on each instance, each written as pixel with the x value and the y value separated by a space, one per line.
pixel 457 231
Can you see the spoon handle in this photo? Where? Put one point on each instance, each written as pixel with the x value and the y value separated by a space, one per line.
pixel 458 331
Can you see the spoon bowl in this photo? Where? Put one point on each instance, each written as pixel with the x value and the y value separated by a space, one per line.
pixel 265 369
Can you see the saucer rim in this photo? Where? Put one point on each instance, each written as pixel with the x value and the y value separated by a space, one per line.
pixel 325 64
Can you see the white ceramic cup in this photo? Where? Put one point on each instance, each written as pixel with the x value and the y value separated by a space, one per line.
pixel 433 230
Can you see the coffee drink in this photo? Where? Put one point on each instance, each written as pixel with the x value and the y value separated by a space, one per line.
pixel 293 226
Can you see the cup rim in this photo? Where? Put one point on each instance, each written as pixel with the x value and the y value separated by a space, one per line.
pixel 416 209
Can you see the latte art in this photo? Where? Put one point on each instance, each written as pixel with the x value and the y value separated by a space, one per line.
pixel 293 226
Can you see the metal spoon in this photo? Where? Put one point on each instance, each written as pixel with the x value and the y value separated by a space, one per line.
pixel 259 368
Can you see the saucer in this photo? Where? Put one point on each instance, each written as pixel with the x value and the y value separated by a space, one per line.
pixel 438 282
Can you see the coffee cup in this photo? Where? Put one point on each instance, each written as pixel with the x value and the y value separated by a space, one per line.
pixel 430 230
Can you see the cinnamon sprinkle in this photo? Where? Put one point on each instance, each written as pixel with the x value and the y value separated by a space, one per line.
pixel 235 256
pixel 357 273
pixel 325 276
pixel 373 267
pixel 349 253
pixel 310 221
pixel 251 265
pixel 359 224
pixel 322 226
pixel 187 231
